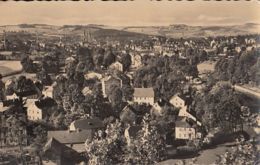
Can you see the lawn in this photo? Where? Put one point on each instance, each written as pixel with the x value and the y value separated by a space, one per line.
pixel 7 67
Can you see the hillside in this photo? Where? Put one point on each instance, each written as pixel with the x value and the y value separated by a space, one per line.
pixel 103 32
pixel 185 31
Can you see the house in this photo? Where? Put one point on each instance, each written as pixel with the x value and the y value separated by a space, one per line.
pixel 30 94
pixel 94 124
pixel 37 109
pixel 183 130
pixel 136 60
pixel 107 82
pixel 144 95
pixel 57 153
pixel 86 91
pixel 72 139
pixel 33 111
pixel 117 66
pixel 183 101
pixel 131 133
pixel 93 75
pixel 48 91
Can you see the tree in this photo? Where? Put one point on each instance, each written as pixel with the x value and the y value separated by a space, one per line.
pixel 243 153
pixel 44 77
pixel 126 61
pixel 149 147
pixel 108 150
pixel 115 95
pixel 2 89
pixel 109 58
pixel 28 65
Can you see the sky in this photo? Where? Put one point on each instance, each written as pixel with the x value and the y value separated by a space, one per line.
pixel 131 13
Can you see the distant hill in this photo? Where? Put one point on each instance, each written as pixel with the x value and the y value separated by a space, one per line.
pixel 182 30
pixel 103 31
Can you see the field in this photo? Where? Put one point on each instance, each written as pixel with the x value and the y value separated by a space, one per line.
pixel 8 67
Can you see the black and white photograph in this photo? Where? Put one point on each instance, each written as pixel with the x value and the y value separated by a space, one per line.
pixel 138 82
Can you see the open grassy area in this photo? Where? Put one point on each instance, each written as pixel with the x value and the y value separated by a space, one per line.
pixel 7 67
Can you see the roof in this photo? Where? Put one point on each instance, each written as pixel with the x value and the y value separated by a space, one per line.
pixel 54 146
pixel 187 99
pixel 143 92
pixel 6 53
pixel 26 93
pixel 47 102
pixel 181 122
pixel 87 124
pixel 70 137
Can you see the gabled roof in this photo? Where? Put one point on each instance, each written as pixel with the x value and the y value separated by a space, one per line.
pixel 88 124
pixel 143 92
pixel 70 137
pixel 181 122
pixel 26 93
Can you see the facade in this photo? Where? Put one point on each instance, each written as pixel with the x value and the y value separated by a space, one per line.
pixel 117 66
pixel 136 60
pixel 34 113
pixel 72 139
pixel 144 95
pixel 183 130
pixel 48 91
pixel 107 82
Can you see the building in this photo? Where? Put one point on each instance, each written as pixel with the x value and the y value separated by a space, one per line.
pixel 136 60
pixel 144 95
pixel 183 130
pixel 57 153
pixel 183 102
pixel 94 124
pixel 48 91
pixel 93 75
pixel 72 139
pixel 37 109
pixel 117 66
pixel 108 81
pixel 34 113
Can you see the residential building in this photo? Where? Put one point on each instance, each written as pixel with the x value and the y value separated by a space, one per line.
pixel 108 81
pixel 37 109
pixel 136 60
pixel 57 153
pixel 48 91
pixel 117 66
pixel 94 124
pixel 183 101
pixel 33 111
pixel 144 95
pixel 72 139
pixel 183 130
